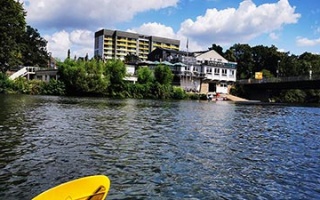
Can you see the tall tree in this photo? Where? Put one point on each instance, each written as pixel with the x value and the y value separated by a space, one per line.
pixel 12 28
pixel 245 64
pixel 163 74
pixel 145 75
pixel 116 70
pixel 84 78
pixel 217 48
pixel 34 48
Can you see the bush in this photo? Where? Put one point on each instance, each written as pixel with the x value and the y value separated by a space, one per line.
pixel 178 93
pixel 21 85
pixel 195 96
pixel 293 96
pixel 54 87
pixel 313 96
pixel 6 85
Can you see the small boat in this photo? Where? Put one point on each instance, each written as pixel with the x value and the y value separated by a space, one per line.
pixel 87 188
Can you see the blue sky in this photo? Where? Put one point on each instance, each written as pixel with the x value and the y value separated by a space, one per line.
pixel 291 25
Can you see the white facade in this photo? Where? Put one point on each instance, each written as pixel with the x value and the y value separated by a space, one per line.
pixel 211 69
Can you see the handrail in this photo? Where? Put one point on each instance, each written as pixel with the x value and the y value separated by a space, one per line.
pixel 23 71
pixel 279 79
pixel 19 73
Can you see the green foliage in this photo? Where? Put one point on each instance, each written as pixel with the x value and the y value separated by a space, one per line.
pixel 6 84
pixel 254 59
pixel 12 26
pixel 84 78
pixel 217 48
pixel 194 96
pixel 161 91
pixel 293 96
pixel 178 93
pixel 163 75
pixel 116 71
pixel 145 75
pixel 131 58
pixel 34 51
pixel 19 44
pixel 313 96
pixel 266 73
pixel 274 64
pixel 23 86
pixel 140 91
pixel 238 90
pixel 54 87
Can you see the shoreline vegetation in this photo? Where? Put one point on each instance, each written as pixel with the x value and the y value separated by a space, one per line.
pixel 98 79
pixel 22 45
pixel 95 78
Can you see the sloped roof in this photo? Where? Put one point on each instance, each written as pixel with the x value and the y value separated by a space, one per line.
pixel 210 55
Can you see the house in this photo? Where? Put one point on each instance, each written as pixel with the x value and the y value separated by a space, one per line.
pixel 203 72
pixel 47 74
pixel 219 73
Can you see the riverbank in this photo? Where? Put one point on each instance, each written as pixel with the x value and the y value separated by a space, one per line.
pixel 235 98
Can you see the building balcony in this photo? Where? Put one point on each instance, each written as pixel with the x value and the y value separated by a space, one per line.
pixel 122 44
pixel 121 40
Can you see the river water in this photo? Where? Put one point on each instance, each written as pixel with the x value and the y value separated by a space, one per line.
pixel 154 149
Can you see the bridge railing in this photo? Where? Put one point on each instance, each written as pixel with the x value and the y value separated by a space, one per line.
pixel 279 79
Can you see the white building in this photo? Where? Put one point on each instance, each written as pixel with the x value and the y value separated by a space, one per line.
pixel 219 73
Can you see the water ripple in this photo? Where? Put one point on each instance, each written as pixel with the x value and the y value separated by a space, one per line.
pixel 160 149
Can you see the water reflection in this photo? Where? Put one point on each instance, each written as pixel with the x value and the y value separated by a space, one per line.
pixel 159 149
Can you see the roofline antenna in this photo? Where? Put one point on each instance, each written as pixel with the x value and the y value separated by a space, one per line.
pixel 187 45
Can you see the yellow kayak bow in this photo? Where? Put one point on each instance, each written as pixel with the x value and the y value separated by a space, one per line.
pixel 86 188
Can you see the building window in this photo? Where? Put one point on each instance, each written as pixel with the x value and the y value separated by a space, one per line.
pixel 216 71
pixel 231 73
pixel 224 72
pixel 209 70
pixel 224 85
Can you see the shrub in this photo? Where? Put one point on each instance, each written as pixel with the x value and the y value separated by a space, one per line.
pixel 293 96
pixel 178 93
pixel 6 85
pixel 54 87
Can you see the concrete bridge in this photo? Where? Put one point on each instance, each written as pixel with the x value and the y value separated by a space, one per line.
pixel 260 89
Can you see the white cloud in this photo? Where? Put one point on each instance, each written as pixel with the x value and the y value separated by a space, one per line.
pixel 155 29
pixel 80 42
pixel 82 37
pixel 87 13
pixel 273 36
pixel 239 25
pixel 160 30
pixel 307 42
pixel 223 27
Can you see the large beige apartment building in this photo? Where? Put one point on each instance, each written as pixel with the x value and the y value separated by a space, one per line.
pixel 114 44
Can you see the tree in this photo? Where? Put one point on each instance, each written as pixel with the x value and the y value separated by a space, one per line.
pixel 229 55
pixel 145 75
pixel 217 48
pixel 265 58
pixel 34 48
pixel 163 75
pixel 116 70
pixel 245 64
pixel 131 58
pixel 84 78
pixel 12 27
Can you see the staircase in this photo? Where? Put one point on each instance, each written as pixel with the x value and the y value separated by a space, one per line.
pixel 25 71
